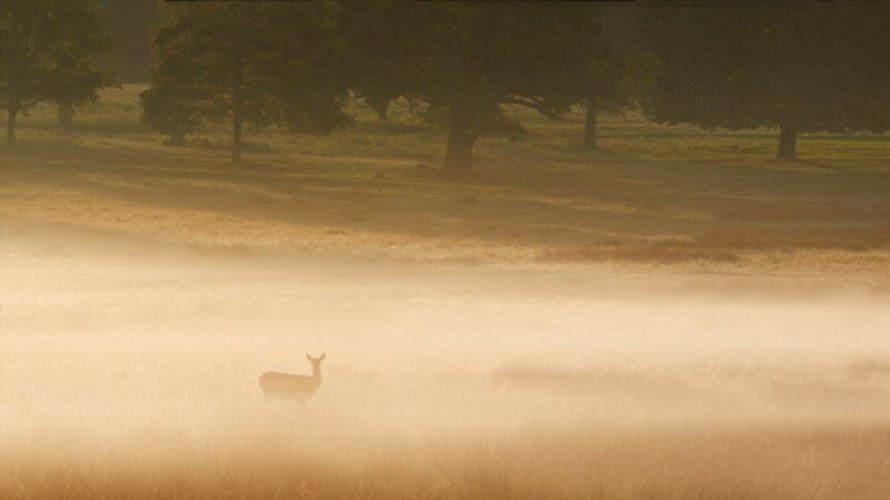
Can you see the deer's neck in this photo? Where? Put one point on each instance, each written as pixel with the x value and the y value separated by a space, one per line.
pixel 316 374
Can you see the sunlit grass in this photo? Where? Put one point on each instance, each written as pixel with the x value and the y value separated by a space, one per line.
pixel 720 194
pixel 676 315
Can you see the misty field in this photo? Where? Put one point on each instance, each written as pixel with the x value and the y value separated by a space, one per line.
pixel 676 315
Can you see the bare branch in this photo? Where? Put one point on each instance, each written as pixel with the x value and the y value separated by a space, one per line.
pixel 532 103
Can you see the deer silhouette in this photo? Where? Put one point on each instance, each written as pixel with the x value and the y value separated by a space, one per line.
pixel 289 387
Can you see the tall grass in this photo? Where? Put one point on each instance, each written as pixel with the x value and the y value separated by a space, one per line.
pixel 676 315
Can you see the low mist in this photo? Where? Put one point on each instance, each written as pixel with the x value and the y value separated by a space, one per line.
pixel 484 382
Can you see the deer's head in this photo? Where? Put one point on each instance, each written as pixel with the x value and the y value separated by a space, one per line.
pixel 316 362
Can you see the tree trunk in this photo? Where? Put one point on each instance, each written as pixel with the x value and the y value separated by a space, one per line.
pixel 459 154
pixel 237 108
pixel 590 122
pixel 236 137
pixel 13 111
pixel 410 105
pixel 383 111
pixel 66 113
pixel 787 142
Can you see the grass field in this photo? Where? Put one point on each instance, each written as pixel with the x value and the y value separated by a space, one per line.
pixel 676 315
pixel 669 195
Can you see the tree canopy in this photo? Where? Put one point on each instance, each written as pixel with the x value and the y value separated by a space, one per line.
pixel 467 60
pixel 819 67
pixel 262 63
pixel 52 50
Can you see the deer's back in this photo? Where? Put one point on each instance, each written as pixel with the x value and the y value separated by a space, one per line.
pixel 277 385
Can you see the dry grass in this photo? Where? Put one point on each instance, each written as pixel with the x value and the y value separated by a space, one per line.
pixel 515 396
pixel 665 195
pixel 751 463
pixel 675 316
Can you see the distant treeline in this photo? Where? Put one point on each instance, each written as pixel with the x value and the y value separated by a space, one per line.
pixel 133 24
pixel 801 67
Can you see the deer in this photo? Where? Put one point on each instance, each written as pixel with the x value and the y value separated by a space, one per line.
pixel 289 387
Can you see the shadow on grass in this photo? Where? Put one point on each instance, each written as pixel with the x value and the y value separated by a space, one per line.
pixel 723 244
pixel 569 215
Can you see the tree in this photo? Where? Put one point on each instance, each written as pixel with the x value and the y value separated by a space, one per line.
pixel 375 72
pixel 820 67
pixel 262 63
pixel 50 50
pixel 467 60
pixel 608 85
pixel 171 109
pixel 617 72
pixel 76 60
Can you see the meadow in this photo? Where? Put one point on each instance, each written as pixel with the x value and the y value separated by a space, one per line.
pixel 675 315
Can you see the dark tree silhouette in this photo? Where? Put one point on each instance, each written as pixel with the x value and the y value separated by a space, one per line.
pixel 50 50
pixel 819 67
pixel 263 63
pixel 467 60
pixel 609 85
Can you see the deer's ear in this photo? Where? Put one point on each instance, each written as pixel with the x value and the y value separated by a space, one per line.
pixel 309 357
pixel 322 356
